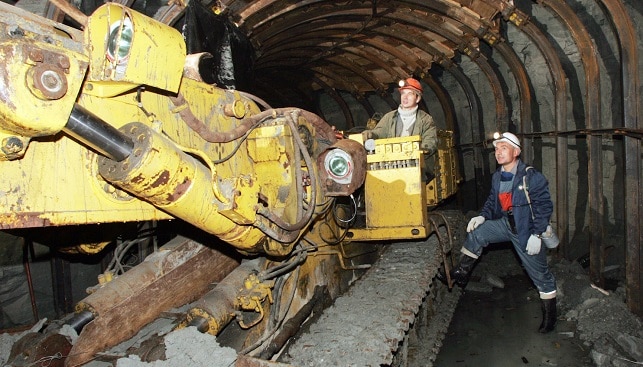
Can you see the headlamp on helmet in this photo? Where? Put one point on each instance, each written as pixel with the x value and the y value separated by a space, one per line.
pixel 410 83
pixel 506 137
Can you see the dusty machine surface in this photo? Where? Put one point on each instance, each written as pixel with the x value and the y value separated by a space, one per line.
pixel 113 125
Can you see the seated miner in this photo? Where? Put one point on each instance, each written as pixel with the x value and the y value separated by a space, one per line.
pixel 409 120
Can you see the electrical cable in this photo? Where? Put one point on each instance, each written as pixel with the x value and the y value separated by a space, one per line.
pixel 268 335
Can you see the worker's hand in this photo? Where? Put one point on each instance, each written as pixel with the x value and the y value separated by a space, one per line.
pixel 474 223
pixel 367 134
pixel 533 245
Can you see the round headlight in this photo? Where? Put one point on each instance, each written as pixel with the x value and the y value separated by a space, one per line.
pixel 339 165
pixel 119 41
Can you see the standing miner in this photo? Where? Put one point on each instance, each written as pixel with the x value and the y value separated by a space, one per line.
pixel 517 211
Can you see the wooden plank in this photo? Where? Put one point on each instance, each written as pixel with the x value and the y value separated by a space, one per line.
pixel 177 274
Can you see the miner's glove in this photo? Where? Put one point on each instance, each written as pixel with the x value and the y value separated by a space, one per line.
pixel 367 134
pixel 475 222
pixel 533 245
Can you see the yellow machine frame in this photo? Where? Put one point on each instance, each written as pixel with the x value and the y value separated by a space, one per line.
pixel 395 197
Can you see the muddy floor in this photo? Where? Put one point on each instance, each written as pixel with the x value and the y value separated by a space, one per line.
pixel 497 326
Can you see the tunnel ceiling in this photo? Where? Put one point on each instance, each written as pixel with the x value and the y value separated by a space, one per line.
pixel 355 46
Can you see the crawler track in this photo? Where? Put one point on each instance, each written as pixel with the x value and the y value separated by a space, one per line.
pixel 396 314
pixel 370 324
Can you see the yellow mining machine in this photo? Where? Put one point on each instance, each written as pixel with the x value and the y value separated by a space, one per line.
pixel 113 124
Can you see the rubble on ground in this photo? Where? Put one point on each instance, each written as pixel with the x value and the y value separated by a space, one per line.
pixel 604 323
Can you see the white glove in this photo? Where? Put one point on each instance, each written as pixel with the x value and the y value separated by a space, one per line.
pixel 474 223
pixel 533 245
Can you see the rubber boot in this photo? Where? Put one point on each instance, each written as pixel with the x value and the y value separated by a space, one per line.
pixel 460 274
pixel 549 315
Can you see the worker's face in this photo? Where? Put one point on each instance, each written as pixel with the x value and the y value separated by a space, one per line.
pixel 408 98
pixel 506 153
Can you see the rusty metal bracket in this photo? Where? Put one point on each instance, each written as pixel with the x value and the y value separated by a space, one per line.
pixel 444 250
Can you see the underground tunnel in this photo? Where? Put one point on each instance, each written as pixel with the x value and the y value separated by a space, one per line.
pixel 196 183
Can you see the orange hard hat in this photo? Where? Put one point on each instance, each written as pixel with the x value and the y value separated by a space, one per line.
pixel 410 83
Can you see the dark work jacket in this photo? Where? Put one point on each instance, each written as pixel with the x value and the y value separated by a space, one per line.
pixel 541 203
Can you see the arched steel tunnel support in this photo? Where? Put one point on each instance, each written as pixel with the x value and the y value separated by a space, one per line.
pixel 443 98
pixel 521 78
pixel 445 102
pixel 592 117
pixel 502 123
pixel 633 184
pixel 520 20
pixel 366 104
pixel 340 101
pixel 466 48
pixel 477 127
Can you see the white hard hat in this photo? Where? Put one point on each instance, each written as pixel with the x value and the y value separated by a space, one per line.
pixel 506 137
